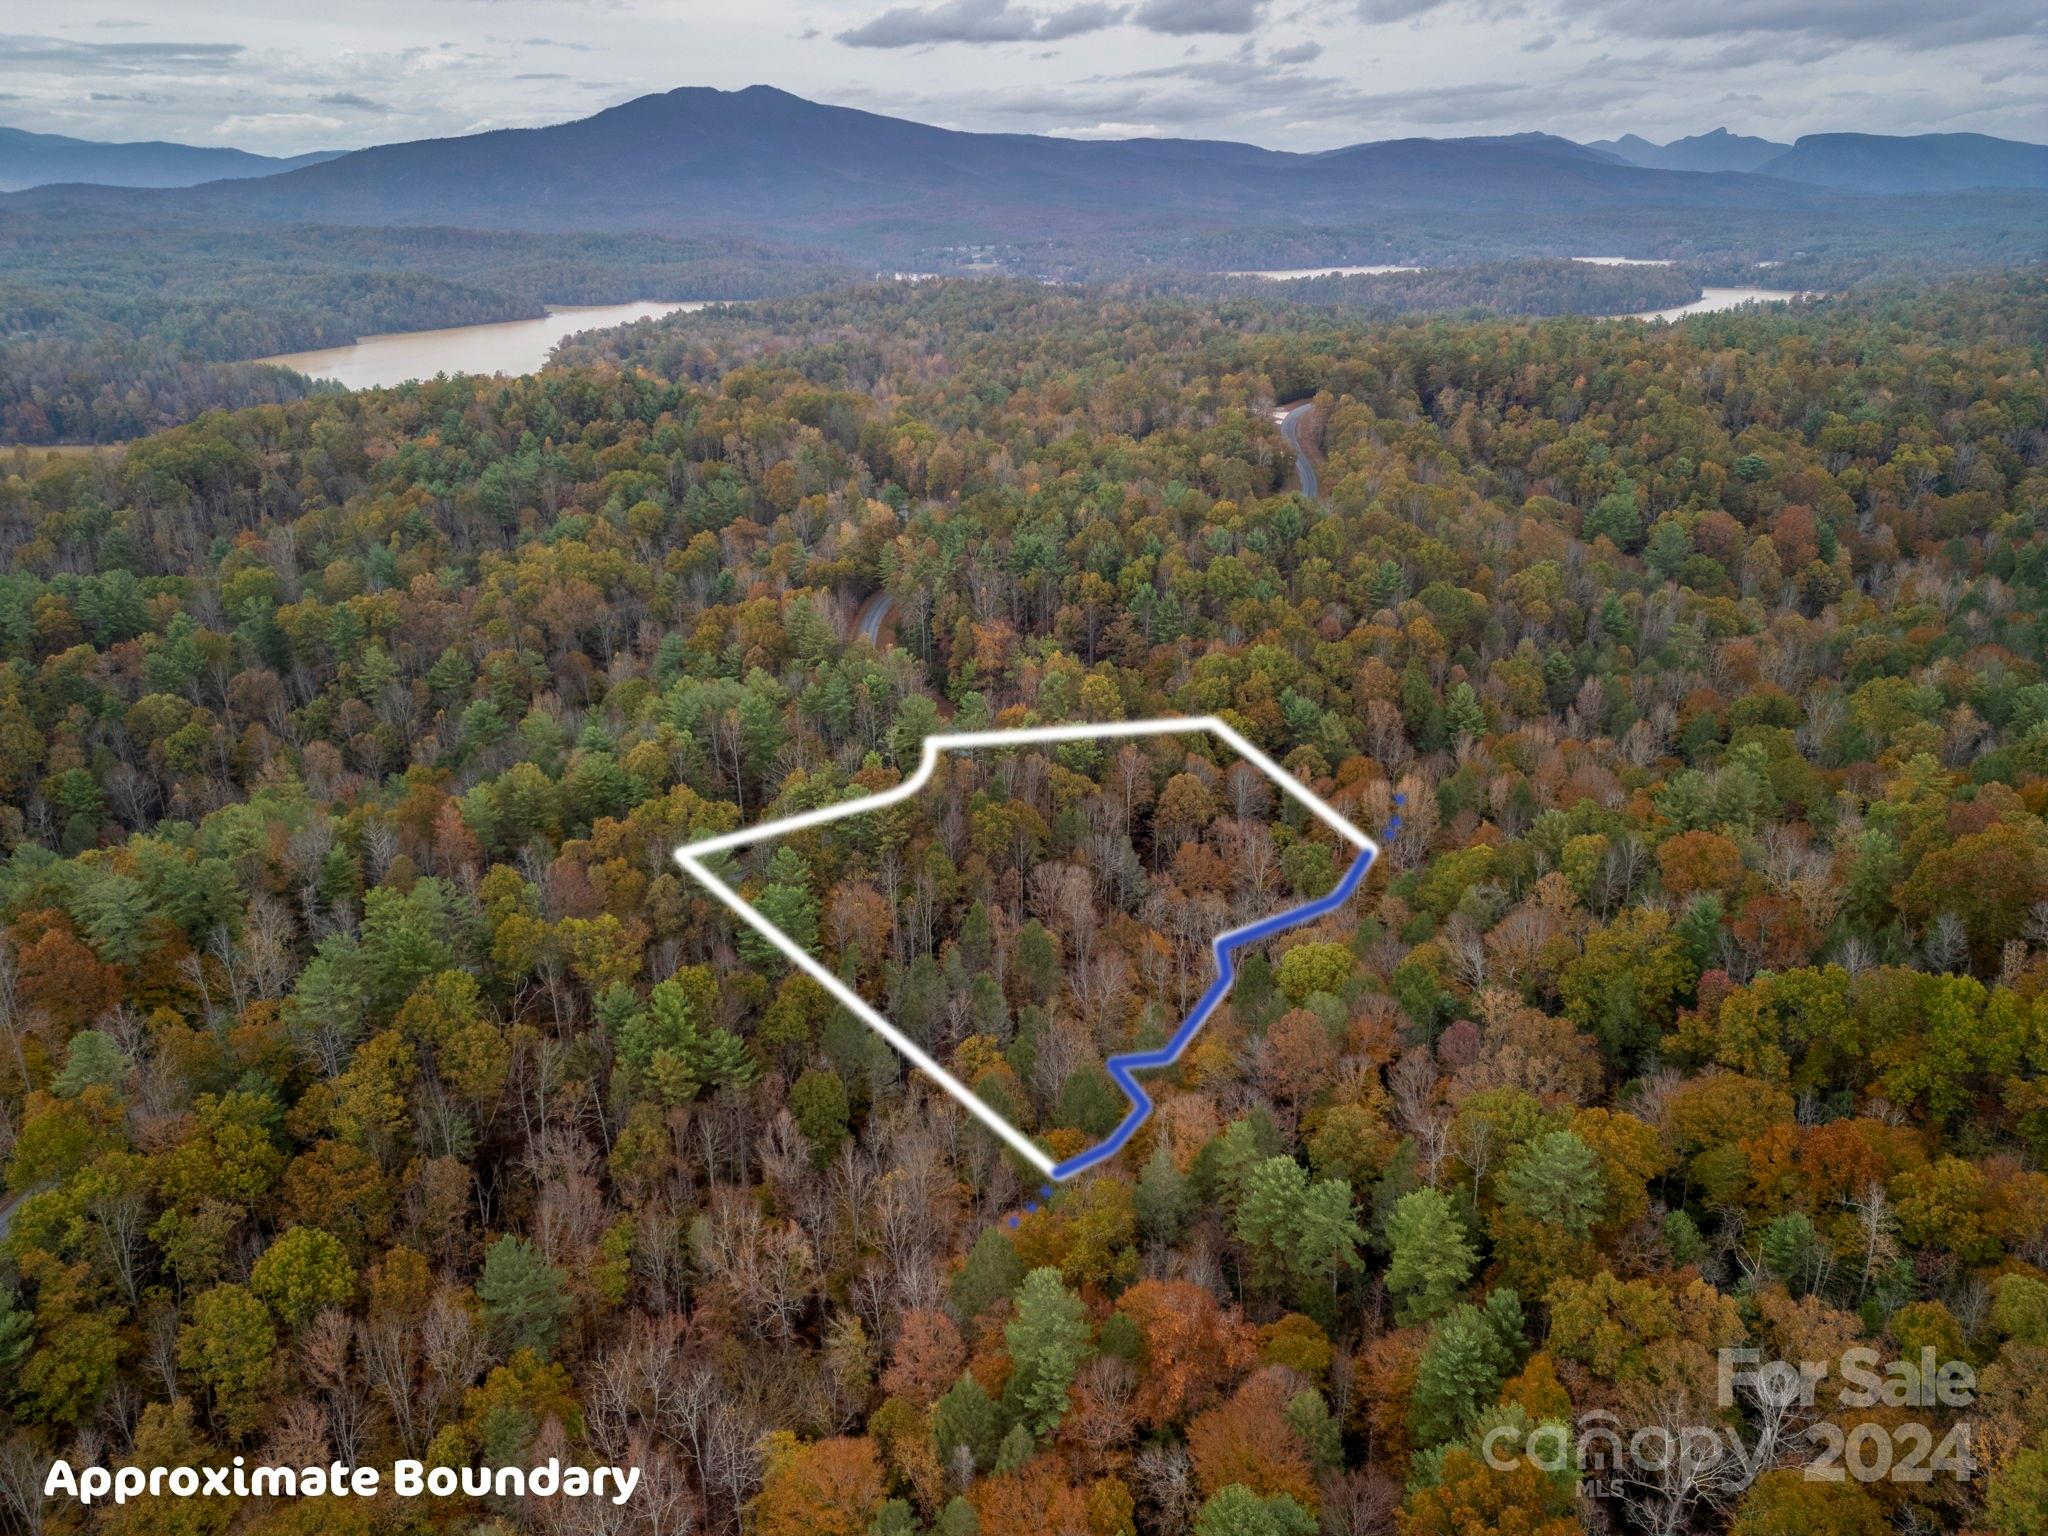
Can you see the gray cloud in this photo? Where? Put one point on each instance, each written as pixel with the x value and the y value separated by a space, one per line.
pixel 1937 23
pixel 1001 21
pixel 1185 18
pixel 1848 21
pixel 1239 69
pixel 977 21
pixel 1089 16
pixel 19 51
pixel 1395 10
pixel 1263 101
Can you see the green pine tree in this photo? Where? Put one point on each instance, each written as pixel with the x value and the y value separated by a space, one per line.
pixel 1431 1260
pixel 1556 1180
pixel 525 1297
pixel 1472 1351
pixel 966 1416
pixel 1047 1339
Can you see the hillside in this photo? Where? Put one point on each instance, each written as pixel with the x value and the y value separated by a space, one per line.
pixel 40 159
pixel 1925 163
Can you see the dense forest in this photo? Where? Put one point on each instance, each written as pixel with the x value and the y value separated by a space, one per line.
pixel 110 329
pixel 105 337
pixel 373 1084
pixel 103 340
pixel 1559 287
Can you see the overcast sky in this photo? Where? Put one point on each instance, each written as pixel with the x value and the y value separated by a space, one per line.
pixel 1276 72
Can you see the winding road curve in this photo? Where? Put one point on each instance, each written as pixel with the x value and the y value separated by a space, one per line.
pixel 867 624
pixel 1290 428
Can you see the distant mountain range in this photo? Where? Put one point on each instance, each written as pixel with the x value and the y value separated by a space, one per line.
pixel 39 159
pixel 779 168
pixel 672 161
pixel 1858 162
pixel 1716 151
pixel 1927 162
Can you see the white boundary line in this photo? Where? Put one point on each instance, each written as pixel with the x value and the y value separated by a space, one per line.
pixel 691 856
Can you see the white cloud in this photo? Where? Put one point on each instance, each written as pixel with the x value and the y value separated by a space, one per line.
pixel 265 125
pixel 977 21
pixel 1111 131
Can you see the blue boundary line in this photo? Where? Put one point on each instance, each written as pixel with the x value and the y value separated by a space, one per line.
pixel 1124 1063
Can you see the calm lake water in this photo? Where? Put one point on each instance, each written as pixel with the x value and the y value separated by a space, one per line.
pixel 1712 299
pixel 508 346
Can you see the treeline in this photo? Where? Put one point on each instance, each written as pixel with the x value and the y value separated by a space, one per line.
pixel 1923 241
pixel 1501 288
pixel 373 1083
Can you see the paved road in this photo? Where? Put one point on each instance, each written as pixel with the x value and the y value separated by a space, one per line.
pixel 1290 428
pixel 868 625
pixel 12 1204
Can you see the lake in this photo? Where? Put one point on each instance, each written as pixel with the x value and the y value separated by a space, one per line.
pixel 506 346
pixel 1712 299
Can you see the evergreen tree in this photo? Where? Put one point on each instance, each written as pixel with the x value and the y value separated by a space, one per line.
pixel 1472 1351
pixel 1298 1232
pixel 992 1271
pixel 1463 716
pixel 818 1101
pixel 966 1416
pixel 1310 1417
pixel 525 1297
pixel 1165 1198
pixel 1047 1339
pixel 1017 1448
pixel 1431 1260
pixel 1556 1180
pixel 788 902
pixel 1234 1510
pixel 669 1042
pixel 91 1057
